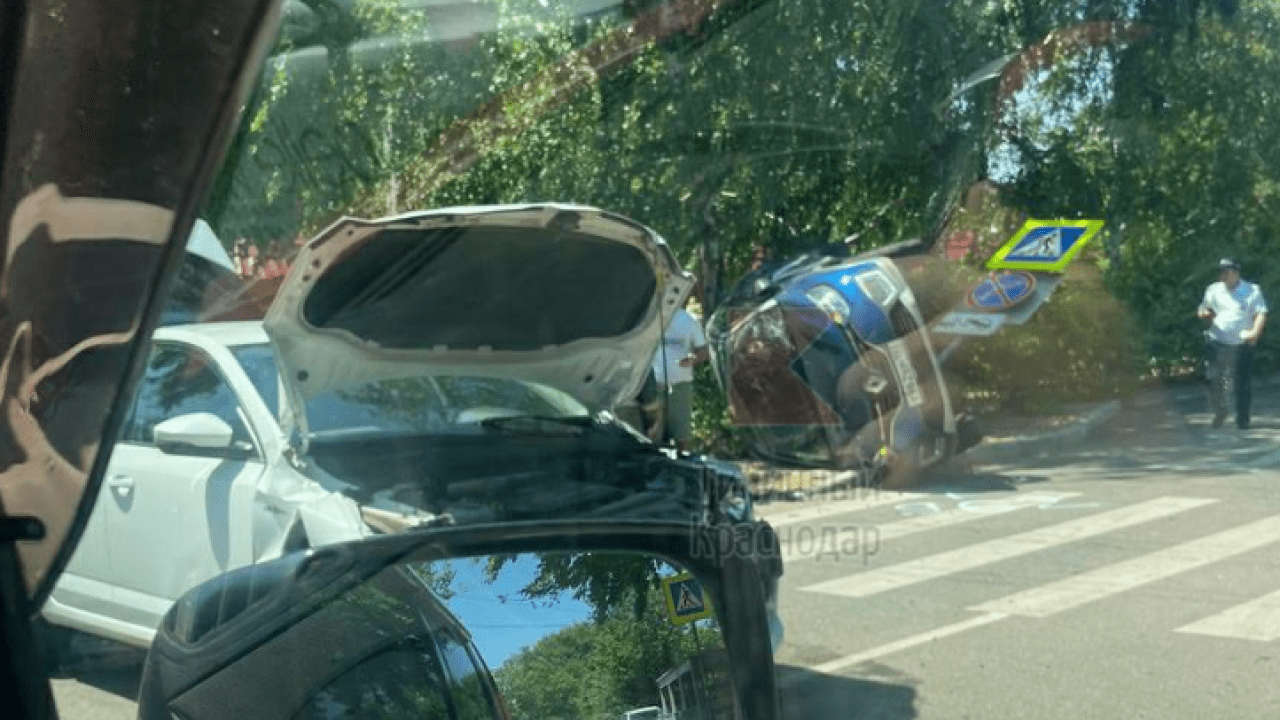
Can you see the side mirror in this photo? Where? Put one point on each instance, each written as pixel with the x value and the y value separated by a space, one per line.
pixel 196 434
pixel 484 618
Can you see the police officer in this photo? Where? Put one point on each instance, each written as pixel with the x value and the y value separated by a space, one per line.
pixel 1237 312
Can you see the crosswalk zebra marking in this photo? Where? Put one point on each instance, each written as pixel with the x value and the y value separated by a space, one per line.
pixel 797 549
pixel 1258 619
pixel 1097 584
pixel 959 560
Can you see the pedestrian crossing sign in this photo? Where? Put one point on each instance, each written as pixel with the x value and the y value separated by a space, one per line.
pixel 1045 245
pixel 686 600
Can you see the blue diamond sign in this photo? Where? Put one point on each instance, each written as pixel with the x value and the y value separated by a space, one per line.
pixel 686 600
pixel 1045 245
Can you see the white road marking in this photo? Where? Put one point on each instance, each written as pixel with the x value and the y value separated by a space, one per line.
pixel 864 499
pixel 907 643
pixel 1072 592
pixel 798 549
pixel 985 553
pixel 1257 619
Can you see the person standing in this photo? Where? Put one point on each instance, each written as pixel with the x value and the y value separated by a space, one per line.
pixel 240 255
pixel 273 264
pixel 1237 312
pixel 683 348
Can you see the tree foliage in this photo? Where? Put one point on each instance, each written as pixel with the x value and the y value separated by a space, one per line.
pixel 733 126
pixel 600 668
pixel 609 583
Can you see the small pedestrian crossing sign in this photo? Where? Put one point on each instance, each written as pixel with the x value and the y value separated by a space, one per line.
pixel 686 600
pixel 1045 245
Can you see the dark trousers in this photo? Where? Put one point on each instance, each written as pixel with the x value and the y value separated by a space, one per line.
pixel 1231 368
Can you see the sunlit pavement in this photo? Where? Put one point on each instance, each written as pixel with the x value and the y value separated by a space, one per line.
pixel 1135 576
pixel 1175 437
pixel 948 601
pixel 98 681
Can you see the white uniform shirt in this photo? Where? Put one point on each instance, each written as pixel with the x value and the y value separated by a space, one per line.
pixel 1234 310
pixel 683 336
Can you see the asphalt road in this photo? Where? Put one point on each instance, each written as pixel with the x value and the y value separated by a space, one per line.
pixel 1137 576
pixel 98 680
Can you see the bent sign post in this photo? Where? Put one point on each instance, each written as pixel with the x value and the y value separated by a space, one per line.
pixel 1024 273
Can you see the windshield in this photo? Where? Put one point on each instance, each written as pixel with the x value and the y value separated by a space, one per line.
pixel 407 405
pixel 968 299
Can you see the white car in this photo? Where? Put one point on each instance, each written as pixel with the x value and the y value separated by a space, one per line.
pixel 386 389
pixel 198 484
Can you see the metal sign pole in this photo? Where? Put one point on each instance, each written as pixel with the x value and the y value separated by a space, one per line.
pixel 950 350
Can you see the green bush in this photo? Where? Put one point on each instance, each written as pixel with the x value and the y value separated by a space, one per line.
pixel 713 431
pixel 1080 346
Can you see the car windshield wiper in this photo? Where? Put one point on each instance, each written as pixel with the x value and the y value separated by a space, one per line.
pixel 539 424
pixel 621 437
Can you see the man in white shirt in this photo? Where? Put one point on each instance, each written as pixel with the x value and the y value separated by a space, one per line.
pixel 1238 312
pixel 683 348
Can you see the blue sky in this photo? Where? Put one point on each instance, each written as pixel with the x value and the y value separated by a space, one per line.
pixel 1055 113
pixel 500 620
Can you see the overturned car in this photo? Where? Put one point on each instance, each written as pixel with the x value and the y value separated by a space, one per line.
pixel 827 362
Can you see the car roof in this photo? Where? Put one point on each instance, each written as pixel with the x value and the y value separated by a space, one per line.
pixel 231 334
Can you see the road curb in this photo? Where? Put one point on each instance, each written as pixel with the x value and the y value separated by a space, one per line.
pixel 1184 392
pixel 1021 447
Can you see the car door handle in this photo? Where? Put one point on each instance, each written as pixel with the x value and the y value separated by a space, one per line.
pixel 122 483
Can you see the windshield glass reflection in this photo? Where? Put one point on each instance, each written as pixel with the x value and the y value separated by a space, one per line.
pixel 968 299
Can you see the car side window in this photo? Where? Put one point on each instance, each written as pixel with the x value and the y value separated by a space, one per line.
pixel 471 692
pixel 401 682
pixel 180 380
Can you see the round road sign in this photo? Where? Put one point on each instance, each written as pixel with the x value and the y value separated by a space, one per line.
pixel 1001 291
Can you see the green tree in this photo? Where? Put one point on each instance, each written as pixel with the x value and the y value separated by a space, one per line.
pixel 743 124
pixel 609 583
pixel 600 668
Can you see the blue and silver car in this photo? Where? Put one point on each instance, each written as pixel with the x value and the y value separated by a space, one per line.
pixel 827 362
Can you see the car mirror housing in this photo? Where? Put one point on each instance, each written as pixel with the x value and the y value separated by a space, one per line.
pixel 199 433
pixel 402 608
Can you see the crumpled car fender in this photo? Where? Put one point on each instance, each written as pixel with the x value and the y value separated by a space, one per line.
pixel 307 516
pixel 332 519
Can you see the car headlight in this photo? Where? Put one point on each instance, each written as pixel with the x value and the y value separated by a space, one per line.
pixel 878 287
pixel 830 301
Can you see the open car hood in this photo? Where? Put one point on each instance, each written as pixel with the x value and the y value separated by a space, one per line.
pixel 569 297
